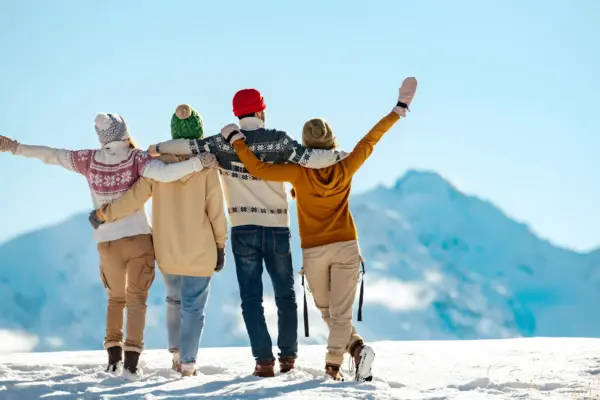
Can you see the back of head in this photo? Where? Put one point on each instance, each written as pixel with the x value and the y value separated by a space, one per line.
pixel 248 102
pixel 317 134
pixel 111 128
pixel 186 123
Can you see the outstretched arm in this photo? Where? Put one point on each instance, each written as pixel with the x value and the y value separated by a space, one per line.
pixel 267 171
pixel 76 161
pixel 181 147
pixel 364 148
pixel 162 172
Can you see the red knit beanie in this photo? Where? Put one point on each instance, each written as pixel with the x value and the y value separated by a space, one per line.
pixel 248 101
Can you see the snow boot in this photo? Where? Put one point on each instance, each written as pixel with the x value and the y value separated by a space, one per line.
pixel 363 357
pixel 286 364
pixel 188 370
pixel 115 358
pixel 131 362
pixel 176 363
pixel 333 371
pixel 264 369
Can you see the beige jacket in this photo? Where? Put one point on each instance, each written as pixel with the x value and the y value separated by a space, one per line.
pixel 188 218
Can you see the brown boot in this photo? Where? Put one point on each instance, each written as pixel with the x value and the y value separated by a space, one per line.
pixel 286 364
pixel 264 369
pixel 333 371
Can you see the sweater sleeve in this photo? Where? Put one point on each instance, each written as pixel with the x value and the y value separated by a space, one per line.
pixel 159 171
pixel 263 170
pixel 183 147
pixel 128 203
pixel 215 208
pixel 364 148
pixel 77 161
pixel 310 158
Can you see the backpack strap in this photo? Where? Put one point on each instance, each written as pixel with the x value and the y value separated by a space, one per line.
pixel 362 291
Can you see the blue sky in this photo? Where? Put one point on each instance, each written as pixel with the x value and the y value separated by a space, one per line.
pixel 507 106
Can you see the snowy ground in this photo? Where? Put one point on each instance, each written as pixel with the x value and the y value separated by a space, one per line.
pixel 495 369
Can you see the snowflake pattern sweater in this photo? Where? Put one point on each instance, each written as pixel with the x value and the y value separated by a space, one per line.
pixel 110 172
pixel 251 200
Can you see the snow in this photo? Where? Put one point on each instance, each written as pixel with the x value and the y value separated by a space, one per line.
pixel 533 368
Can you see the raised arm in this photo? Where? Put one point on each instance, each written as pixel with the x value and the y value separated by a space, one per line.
pixel 364 148
pixel 267 171
pixel 128 203
pixel 76 161
pixel 215 208
pixel 159 171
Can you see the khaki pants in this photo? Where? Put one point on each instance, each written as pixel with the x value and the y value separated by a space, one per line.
pixel 333 272
pixel 127 271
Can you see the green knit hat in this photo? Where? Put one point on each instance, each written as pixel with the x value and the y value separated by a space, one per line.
pixel 186 123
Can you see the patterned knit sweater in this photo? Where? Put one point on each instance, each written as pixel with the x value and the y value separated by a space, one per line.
pixel 250 200
pixel 110 172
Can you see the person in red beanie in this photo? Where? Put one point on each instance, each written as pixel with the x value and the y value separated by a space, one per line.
pixel 259 216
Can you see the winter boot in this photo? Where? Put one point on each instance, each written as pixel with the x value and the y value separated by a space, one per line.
pixel 176 363
pixel 286 364
pixel 333 371
pixel 264 369
pixel 188 369
pixel 363 357
pixel 115 357
pixel 131 362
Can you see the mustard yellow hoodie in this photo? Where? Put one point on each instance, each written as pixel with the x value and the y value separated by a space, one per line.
pixel 322 195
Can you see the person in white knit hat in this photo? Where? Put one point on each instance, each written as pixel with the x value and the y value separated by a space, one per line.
pixel 125 246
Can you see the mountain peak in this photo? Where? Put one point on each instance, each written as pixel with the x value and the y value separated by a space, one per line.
pixel 423 181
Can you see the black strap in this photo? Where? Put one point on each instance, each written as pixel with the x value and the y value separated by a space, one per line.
pixel 306 333
pixel 362 292
pixel 403 105
pixel 231 135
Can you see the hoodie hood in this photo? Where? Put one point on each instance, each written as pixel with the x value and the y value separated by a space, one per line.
pixel 329 180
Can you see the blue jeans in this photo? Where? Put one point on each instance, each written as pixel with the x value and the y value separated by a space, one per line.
pixel 186 299
pixel 251 245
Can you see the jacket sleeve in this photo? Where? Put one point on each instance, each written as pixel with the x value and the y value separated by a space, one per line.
pixel 77 161
pixel 128 203
pixel 159 171
pixel 263 170
pixel 184 147
pixel 310 158
pixel 364 148
pixel 215 208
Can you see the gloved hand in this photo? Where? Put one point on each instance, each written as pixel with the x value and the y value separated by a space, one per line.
pixel 208 160
pixel 7 144
pixel 153 151
pixel 220 259
pixel 96 219
pixel 406 93
pixel 231 133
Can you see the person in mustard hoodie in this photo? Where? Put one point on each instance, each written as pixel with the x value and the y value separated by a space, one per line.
pixel 190 231
pixel 329 241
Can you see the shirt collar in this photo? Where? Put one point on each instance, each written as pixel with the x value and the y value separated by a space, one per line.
pixel 251 124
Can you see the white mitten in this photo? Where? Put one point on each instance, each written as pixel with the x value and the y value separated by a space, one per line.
pixel 208 160
pixel 406 93
pixel 7 144
pixel 231 133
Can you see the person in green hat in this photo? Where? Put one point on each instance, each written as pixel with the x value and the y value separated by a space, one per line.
pixel 190 231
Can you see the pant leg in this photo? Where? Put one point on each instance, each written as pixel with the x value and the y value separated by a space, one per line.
pixel 194 295
pixel 246 244
pixel 345 272
pixel 278 262
pixel 139 252
pixel 113 275
pixel 173 285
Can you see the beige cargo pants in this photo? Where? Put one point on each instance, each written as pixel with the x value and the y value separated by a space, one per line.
pixel 332 272
pixel 127 271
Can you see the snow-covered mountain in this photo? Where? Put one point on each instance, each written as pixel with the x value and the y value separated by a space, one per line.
pixel 440 265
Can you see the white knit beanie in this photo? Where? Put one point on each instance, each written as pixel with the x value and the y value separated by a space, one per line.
pixel 111 128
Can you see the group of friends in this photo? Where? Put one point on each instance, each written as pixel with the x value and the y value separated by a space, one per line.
pixel 186 178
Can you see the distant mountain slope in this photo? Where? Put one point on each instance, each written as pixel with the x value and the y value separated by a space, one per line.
pixel 440 265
